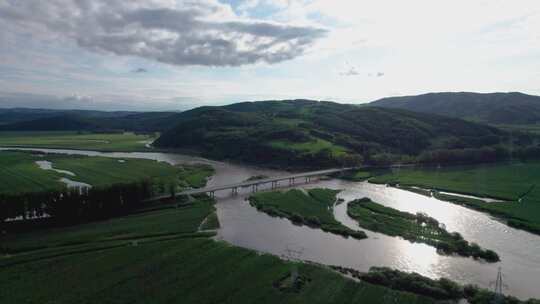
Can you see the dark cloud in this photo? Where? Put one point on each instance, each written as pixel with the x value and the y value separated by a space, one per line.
pixel 202 32
pixel 140 70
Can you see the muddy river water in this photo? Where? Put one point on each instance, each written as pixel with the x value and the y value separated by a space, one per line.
pixel 244 226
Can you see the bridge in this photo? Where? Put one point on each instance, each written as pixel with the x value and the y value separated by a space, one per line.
pixel 254 184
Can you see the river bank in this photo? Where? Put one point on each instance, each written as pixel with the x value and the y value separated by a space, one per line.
pixel 244 226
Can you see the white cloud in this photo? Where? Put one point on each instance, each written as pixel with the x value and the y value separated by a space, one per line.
pixel 202 32
pixel 411 47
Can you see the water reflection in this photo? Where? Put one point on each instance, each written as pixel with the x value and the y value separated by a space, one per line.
pixel 47 165
pixel 244 226
pixel 485 199
pixel 74 184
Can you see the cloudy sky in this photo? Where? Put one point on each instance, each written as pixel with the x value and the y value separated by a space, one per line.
pixel 177 54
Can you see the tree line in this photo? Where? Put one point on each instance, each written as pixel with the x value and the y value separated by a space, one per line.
pixel 75 205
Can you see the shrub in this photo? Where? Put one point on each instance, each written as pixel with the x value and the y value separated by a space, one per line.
pixel 313 220
pixel 297 218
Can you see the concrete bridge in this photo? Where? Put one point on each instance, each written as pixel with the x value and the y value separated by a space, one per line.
pixel 254 184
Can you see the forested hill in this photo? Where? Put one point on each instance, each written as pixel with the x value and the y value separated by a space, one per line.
pixel 493 108
pixel 309 133
pixel 79 120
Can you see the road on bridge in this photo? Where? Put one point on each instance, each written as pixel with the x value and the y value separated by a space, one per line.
pixel 255 183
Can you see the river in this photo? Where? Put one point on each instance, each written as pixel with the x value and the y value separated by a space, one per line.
pixel 244 226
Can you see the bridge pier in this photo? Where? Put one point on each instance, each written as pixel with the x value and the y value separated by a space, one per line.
pixel 291 181
pixel 235 188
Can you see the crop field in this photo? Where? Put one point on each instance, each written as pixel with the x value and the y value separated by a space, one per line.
pixel 75 140
pixel 20 173
pixel 313 208
pixel 157 257
pixel 508 181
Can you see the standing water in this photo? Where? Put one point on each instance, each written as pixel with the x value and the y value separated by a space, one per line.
pixel 244 226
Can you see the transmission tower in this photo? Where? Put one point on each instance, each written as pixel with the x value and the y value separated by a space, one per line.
pixel 499 285
pixel 294 255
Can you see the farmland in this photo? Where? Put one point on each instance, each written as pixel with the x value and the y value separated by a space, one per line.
pixel 74 140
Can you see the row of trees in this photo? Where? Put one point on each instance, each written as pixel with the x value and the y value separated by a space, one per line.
pixel 76 204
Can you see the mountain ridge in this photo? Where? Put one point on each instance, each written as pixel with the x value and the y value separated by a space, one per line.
pixel 304 132
pixel 492 108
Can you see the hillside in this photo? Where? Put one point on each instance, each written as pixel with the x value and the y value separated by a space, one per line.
pixel 78 120
pixel 16 115
pixel 493 108
pixel 54 123
pixel 309 133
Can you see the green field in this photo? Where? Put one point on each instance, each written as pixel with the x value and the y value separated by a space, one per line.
pixel 314 146
pixel 20 173
pixel 75 140
pixel 508 181
pixel 415 228
pixel 165 220
pixel 157 257
pixel 312 207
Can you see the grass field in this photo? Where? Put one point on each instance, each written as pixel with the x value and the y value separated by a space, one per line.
pixel 20 173
pixel 505 181
pixel 166 220
pixel 312 147
pixel 156 257
pixel 312 208
pixel 75 140
pixel 413 227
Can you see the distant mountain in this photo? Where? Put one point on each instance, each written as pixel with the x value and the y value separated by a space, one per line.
pixel 304 132
pixel 82 120
pixel 14 115
pixel 493 108
pixel 54 123
pixel 149 121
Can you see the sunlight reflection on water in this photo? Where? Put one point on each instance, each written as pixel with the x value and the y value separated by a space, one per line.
pixel 244 226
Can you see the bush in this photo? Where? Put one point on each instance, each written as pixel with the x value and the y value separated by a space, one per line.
pixel 297 218
pixel 313 220
pixel 443 289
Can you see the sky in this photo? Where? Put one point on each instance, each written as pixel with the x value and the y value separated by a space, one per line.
pixel 178 54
